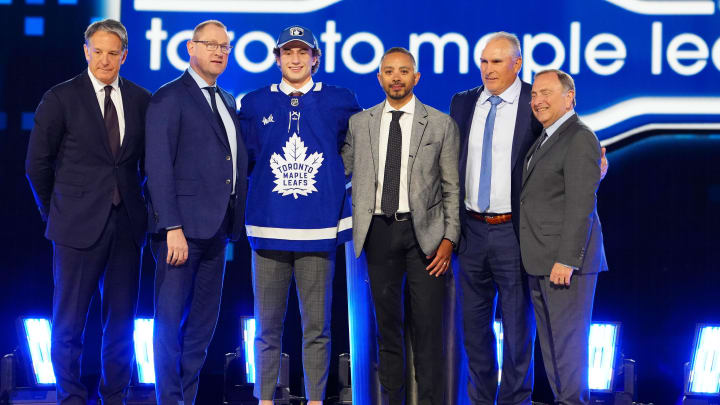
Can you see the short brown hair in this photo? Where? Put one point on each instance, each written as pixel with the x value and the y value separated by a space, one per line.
pixel 316 52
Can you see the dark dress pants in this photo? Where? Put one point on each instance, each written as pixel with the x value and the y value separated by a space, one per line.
pixel 187 305
pixel 395 260
pixel 490 267
pixel 112 264
pixel 563 318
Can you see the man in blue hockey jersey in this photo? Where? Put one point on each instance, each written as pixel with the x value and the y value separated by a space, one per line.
pixel 297 209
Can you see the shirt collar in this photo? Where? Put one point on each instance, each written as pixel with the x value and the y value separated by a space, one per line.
pixel 99 86
pixel 199 80
pixel 286 88
pixel 554 127
pixel 510 95
pixel 408 108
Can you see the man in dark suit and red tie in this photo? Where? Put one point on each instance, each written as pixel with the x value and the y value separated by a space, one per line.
pixel 83 164
pixel 497 128
pixel 196 164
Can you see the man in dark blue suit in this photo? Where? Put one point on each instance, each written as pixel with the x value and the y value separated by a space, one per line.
pixel 496 128
pixel 83 164
pixel 196 164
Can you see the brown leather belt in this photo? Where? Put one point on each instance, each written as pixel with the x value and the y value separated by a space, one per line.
pixel 492 219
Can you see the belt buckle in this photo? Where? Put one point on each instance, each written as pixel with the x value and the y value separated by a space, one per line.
pixel 398 219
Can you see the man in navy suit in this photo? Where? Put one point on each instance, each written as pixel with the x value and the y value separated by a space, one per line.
pixel 496 128
pixel 83 164
pixel 196 164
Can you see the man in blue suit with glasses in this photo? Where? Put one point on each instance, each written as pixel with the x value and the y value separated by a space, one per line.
pixel 197 166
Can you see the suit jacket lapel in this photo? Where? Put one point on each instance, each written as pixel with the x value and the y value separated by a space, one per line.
pixel 522 125
pixel 546 146
pixel 465 118
pixel 528 168
pixel 230 105
pixel 470 112
pixel 374 134
pixel 129 117
pixel 204 108
pixel 418 130
pixel 89 99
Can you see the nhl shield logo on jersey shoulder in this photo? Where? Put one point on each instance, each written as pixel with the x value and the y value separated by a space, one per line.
pixel 295 171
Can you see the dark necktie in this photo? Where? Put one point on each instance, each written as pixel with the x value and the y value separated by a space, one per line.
pixel 213 103
pixel 391 180
pixel 486 159
pixel 296 94
pixel 543 137
pixel 112 127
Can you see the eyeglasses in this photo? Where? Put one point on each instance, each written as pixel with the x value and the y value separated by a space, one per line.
pixel 213 46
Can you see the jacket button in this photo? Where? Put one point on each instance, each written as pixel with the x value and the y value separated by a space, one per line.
pixel 227 181
pixel 228 157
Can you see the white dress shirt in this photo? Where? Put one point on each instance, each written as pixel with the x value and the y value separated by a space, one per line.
pixel 115 96
pixel 503 133
pixel 406 121
pixel 286 88
pixel 224 115
pixel 554 127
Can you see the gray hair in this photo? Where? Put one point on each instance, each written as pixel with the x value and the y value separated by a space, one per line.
pixel 108 25
pixel 565 79
pixel 199 27
pixel 399 49
pixel 512 38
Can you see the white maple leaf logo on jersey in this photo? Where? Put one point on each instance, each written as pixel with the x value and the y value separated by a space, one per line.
pixel 295 173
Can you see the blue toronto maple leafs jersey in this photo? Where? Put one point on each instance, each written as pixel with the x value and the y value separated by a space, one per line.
pixel 297 198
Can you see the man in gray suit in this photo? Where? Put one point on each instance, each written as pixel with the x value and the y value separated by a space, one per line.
pixel 560 233
pixel 404 156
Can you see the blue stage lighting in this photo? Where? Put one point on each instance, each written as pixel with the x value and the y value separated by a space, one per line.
pixel 497 326
pixel 602 353
pixel 704 377
pixel 37 336
pixel 143 337
pixel 34 26
pixel 27 120
pixel 248 336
